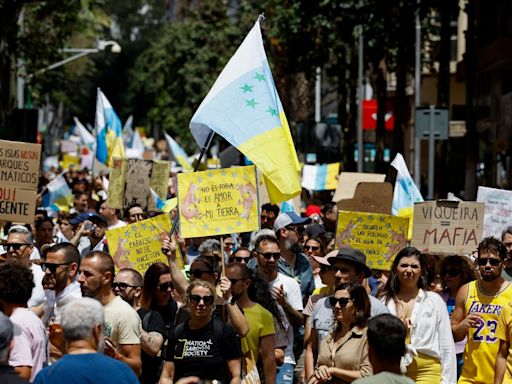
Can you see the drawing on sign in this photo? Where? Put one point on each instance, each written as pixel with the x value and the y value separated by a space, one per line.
pixel 188 206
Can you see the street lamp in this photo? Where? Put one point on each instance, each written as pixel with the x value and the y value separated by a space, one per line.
pixel 101 45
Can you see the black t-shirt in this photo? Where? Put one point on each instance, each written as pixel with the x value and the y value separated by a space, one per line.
pixel 168 312
pixel 197 353
pixel 151 364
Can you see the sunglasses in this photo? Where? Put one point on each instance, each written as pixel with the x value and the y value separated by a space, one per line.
pixel 197 273
pixel 234 281
pixel 342 301
pixel 268 255
pixel 241 259
pixel 122 286
pixel 165 286
pixel 196 299
pixel 52 267
pixel 482 261
pixel 15 246
pixel 328 268
pixel 451 272
pixel 295 228
pixel 311 248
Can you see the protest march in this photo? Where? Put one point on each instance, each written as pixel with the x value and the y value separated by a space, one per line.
pixel 126 261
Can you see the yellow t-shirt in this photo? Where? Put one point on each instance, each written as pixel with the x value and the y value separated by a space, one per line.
pixel 261 323
pixel 504 332
pixel 483 344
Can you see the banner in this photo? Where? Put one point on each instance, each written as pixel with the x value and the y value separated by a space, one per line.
pixel 19 164
pixel 497 212
pixel 447 227
pixel 218 201
pixel 138 245
pixel 379 237
pixel 131 180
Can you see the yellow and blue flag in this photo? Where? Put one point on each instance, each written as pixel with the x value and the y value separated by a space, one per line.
pixel 58 196
pixel 405 193
pixel 177 153
pixel 165 206
pixel 109 139
pixel 320 177
pixel 244 108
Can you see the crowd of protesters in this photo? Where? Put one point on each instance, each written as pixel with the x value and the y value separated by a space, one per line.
pixel 279 305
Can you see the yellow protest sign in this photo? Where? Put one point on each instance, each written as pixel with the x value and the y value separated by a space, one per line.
pixel 218 201
pixel 379 237
pixel 138 245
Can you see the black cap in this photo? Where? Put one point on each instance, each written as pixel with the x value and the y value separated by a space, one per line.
pixel 354 256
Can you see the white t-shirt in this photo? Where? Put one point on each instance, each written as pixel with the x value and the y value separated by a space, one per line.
pixel 294 297
pixel 120 223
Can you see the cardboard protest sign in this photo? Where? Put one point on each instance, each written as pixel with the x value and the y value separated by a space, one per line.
pixel 131 179
pixel 19 164
pixel 138 245
pixel 218 201
pixel 379 237
pixel 347 183
pixel 369 197
pixel 447 227
pixel 19 176
pixel 497 211
pixel 17 204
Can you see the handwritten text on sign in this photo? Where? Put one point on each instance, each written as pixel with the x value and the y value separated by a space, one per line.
pixel 498 210
pixel 138 245
pixel 218 201
pixel 380 237
pixel 19 164
pixel 447 227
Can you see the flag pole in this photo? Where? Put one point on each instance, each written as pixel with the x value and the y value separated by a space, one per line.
pixel 205 147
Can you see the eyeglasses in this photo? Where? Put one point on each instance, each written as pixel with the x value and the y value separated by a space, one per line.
pixel 268 255
pixel 122 286
pixel 241 259
pixel 451 272
pixel 52 267
pixel 266 218
pixel 296 228
pixel 482 261
pixel 196 299
pixel 313 248
pixel 165 286
pixel 342 301
pixel 15 246
pixel 197 273
pixel 234 281
pixel 328 268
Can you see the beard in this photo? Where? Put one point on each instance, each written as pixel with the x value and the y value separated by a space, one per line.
pixel 295 247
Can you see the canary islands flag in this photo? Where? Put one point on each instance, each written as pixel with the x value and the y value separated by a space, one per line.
pixel 243 107
pixel 109 139
pixel 320 177
pixel 405 193
pixel 163 205
pixel 177 153
pixel 58 196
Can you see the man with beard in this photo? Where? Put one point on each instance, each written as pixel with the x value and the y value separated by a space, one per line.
pixel 84 330
pixel 122 324
pixel 60 266
pixel 269 213
pixel 477 310
pixel 289 229
pixel 286 292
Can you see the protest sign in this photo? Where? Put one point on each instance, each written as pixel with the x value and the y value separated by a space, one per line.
pixel 497 212
pixel 379 237
pixel 369 197
pixel 70 161
pixel 131 179
pixel 19 164
pixel 447 227
pixel 138 245
pixel 218 201
pixel 17 204
pixel 347 183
